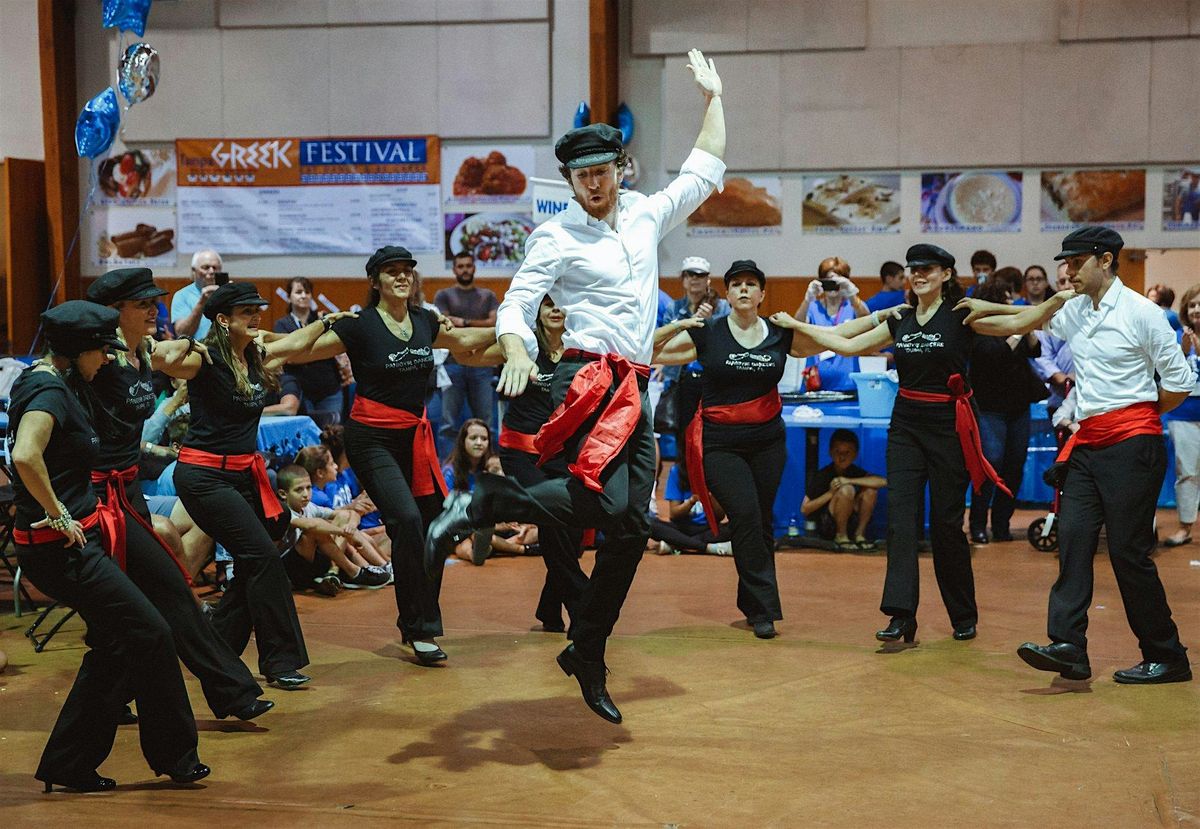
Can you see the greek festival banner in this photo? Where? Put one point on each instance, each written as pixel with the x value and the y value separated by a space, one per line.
pixel 309 195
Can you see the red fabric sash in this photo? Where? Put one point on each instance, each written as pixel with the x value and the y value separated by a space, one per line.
pixel 112 511
pixel 1106 429
pixel 758 410
pixel 252 462
pixel 44 535
pixel 967 428
pixel 519 441
pixel 426 474
pixel 616 423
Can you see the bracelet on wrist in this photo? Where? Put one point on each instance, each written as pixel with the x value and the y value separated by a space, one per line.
pixel 326 323
pixel 62 522
pixel 191 341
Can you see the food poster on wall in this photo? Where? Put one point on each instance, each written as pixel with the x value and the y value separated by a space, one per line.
pixel 132 217
pixel 1181 199
pixel 971 201
pixel 495 239
pixel 1071 198
pixel 486 177
pixel 137 176
pixel 309 195
pixel 851 203
pixel 747 206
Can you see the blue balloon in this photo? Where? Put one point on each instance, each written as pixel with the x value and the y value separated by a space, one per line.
pixel 625 123
pixel 127 15
pixel 97 124
pixel 583 115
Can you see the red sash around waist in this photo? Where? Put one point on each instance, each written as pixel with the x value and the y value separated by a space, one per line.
pixel 967 428
pixel 758 410
pixel 1106 429
pixel 426 474
pixel 112 511
pixel 518 441
pixel 44 535
pixel 616 423
pixel 252 462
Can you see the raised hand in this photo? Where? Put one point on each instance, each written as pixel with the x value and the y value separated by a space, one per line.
pixel 785 320
pixel 705 73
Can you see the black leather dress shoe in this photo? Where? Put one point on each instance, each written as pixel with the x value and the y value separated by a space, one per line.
pixel 1067 660
pixel 1155 673
pixel 979 538
pixel 259 706
pixel 127 717
pixel 964 633
pixel 429 658
pixel 899 628
pixel 95 783
pixel 550 627
pixel 289 680
pixel 198 771
pixel 439 538
pixel 590 675
pixel 764 630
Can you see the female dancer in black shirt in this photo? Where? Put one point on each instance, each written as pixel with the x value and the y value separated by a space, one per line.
pixel 736 443
pixel 131 651
pixel 389 440
pixel 125 398
pixel 933 438
pixel 223 483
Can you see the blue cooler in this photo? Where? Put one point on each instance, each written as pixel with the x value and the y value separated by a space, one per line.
pixel 876 393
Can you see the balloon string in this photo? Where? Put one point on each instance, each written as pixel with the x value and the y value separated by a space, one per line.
pixel 93 180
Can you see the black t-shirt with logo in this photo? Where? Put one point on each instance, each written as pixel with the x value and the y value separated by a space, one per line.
pixel 70 453
pixel 387 369
pixel 926 355
pixel 224 421
pixel 127 395
pixel 735 374
pixel 532 409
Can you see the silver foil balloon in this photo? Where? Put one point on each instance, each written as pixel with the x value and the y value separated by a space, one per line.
pixel 137 72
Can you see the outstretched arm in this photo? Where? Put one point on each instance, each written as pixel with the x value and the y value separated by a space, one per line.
pixel 465 340
pixel 995 320
pixel 813 339
pixel 315 341
pixel 712 132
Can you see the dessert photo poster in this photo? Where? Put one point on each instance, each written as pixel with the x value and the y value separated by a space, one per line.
pixel 974 201
pixel 1115 198
pixel 748 206
pixel 851 203
pixel 132 220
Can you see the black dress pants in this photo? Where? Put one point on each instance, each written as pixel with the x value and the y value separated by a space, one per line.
pixel 620 511
pixel 226 506
pixel 565 579
pixel 382 460
pixel 130 652
pixel 227 683
pixel 1116 487
pixel 920 451
pixel 744 480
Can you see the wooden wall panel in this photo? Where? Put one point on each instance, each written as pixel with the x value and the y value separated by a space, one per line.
pixel 26 248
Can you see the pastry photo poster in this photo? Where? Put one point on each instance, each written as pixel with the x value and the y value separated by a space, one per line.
pixel 133 217
pixel 973 201
pixel 1181 199
pixel 1071 198
pixel 748 206
pixel 851 203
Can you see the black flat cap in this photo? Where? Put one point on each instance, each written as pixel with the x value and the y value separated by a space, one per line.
pixel 745 266
pixel 123 284
pixel 229 296
pixel 386 255
pixel 1091 239
pixel 585 146
pixel 77 326
pixel 921 255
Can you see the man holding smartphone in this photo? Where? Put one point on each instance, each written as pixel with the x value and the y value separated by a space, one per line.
pixel 187 306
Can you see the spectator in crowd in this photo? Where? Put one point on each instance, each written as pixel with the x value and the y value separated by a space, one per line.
pixel 830 300
pixel 983 265
pixel 472 455
pixel 686 528
pixel 1183 424
pixel 891 274
pixel 466 305
pixel 1164 298
pixel 1004 385
pixel 1055 366
pixel 286 401
pixel 1037 286
pixel 320 381
pixel 700 301
pixel 315 540
pixel 345 492
pixel 439 379
pixel 842 495
pixel 187 305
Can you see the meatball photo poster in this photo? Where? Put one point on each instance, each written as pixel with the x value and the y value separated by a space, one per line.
pixel 486 194
pixel 974 201
pixel 1114 198
pixel 851 203
pixel 132 221
pixel 746 207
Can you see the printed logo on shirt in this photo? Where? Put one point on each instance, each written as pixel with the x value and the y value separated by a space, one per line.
pixel 543 381
pixel 748 361
pixel 409 357
pixel 920 341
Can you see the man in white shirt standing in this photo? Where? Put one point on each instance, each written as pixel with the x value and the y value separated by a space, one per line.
pixel 1117 460
pixel 598 260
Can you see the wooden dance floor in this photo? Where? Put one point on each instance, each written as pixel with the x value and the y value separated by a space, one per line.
pixel 815 728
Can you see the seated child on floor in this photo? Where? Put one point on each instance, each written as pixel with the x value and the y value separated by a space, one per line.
pixel 332 491
pixel 687 529
pixel 842 495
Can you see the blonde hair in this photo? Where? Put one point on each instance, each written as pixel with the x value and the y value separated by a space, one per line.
pixel 218 341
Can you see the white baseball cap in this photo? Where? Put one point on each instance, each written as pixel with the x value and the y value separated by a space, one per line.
pixel 696 264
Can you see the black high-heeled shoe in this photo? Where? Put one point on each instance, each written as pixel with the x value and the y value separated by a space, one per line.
pixel 96 783
pixel 428 658
pixel 898 628
pixel 199 771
